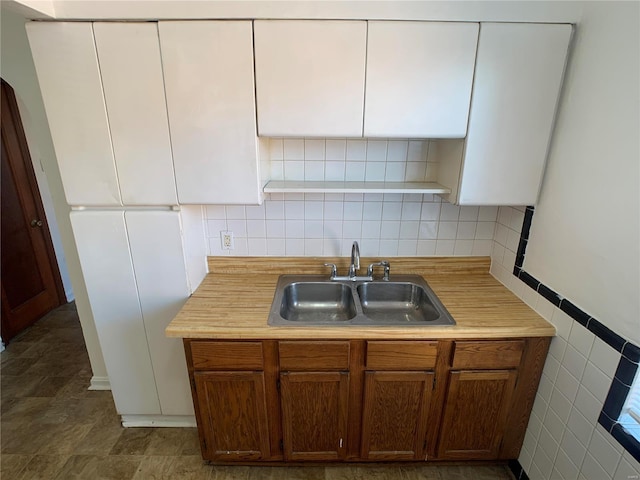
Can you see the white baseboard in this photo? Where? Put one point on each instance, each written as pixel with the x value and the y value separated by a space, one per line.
pixel 158 420
pixel 99 383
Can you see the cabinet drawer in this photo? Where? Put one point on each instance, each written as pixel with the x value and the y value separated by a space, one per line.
pixel 401 355
pixel 314 355
pixel 487 354
pixel 227 355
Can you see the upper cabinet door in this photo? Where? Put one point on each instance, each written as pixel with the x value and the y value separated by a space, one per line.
pixel 129 56
pixel 65 58
pixel 419 78
pixel 208 74
pixel 310 77
pixel 517 82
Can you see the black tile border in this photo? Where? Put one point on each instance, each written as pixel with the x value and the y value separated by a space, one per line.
pixel 629 353
pixel 517 470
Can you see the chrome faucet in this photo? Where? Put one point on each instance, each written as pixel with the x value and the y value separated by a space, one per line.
pixel 355 266
pixel 355 260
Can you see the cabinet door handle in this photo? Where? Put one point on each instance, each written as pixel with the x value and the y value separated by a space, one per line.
pixel 36 223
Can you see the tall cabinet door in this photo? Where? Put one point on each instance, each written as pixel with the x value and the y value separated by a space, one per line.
pixel 310 77
pixel 208 73
pixel 314 414
pixel 65 58
pixel 129 56
pixel 518 76
pixel 394 419
pixel 103 248
pixel 159 265
pixel 419 78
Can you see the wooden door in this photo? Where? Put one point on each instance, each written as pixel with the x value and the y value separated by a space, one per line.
pixel 475 414
pixel 314 414
pixel 233 413
pixel 394 419
pixel 31 284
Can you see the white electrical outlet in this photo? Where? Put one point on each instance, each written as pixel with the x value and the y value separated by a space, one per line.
pixel 227 240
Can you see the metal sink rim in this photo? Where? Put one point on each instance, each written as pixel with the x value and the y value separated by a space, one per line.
pixel 361 319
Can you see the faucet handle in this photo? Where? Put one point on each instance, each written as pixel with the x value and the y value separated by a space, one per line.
pixel 334 269
pixel 383 263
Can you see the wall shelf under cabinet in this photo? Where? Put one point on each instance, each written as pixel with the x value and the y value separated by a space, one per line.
pixel 290 186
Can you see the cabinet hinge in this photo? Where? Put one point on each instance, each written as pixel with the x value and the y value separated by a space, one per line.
pixel 278 384
pixel 281 445
pixel 434 383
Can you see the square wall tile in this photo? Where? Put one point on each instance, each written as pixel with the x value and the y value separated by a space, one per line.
pixel 335 149
pixel 314 171
pixel 397 150
pixel 293 149
pixel 376 150
pixel 314 149
pixel 356 150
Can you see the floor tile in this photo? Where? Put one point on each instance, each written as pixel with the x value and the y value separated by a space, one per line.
pixel 99 467
pixel 42 467
pixel 132 441
pixel 12 465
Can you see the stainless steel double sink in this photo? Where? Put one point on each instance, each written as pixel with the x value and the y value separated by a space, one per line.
pixel 403 300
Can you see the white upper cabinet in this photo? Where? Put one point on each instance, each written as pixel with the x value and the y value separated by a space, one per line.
pixel 208 74
pixel 310 77
pixel 65 58
pixel 129 57
pixel 419 79
pixel 518 76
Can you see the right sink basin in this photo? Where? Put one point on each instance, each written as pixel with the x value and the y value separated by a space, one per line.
pixel 404 302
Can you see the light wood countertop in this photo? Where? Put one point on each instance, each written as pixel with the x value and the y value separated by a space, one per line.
pixel 234 300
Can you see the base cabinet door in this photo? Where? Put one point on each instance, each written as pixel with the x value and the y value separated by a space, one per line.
pixel 233 407
pixel 314 414
pixel 394 420
pixel 475 414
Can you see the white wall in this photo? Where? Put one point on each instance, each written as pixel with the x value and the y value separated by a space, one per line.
pixel 585 236
pixel 18 70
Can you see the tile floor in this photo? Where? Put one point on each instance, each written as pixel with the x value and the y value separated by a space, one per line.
pixel 52 427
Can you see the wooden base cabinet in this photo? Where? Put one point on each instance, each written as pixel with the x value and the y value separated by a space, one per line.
pixel 363 400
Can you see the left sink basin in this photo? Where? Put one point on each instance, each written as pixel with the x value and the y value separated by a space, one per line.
pixel 317 302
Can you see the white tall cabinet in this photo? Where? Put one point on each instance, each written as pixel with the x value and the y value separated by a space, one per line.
pixel 519 73
pixel 133 265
